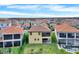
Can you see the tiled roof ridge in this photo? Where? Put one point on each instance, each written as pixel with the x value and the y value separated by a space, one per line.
pixel 39 28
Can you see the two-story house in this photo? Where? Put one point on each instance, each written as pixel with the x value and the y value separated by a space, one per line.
pixel 39 35
pixel 11 36
pixel 67 36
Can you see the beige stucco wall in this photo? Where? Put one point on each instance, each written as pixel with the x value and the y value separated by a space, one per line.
pixel 37 36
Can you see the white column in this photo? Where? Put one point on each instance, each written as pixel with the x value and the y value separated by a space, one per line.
pixel 75 40
pixel 75 35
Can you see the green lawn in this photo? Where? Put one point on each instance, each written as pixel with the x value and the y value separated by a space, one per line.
pixel 43 49
pixel 10 50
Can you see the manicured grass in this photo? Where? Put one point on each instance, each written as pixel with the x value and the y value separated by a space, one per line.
pixel 15 50
pixel 43 49
pixel 10 50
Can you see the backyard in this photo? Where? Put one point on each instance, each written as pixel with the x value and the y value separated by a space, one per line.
pixel 43 48
pixel 35 48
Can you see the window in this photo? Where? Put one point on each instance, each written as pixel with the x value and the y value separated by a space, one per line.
pixel 1 24
pixel 0 37
pixel 46 34
pixel 8 44
pixel 45 40
pixel 62 41
pixel 39 33
pixel 70 35
pixel 16 43
pixel 77 35
pixel 63 35
pixel 76 42
pixel 7 24
pixel 7 37
pixel 30 33
pixel 1 44
pixel 70 42
pixel 16 36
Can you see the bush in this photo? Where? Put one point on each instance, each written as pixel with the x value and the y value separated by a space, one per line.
pixel 77 52
pixel 64 52
pixel 31 51
pixel 53 37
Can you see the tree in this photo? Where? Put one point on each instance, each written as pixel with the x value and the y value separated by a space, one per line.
pixel 25 37
pixel 53 37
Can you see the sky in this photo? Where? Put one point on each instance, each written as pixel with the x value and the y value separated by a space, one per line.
pixel 39 10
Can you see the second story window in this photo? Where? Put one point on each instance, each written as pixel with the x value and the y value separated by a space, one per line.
pixel 7 37
pixel 30 33
pixel 62 35
pixel 1 24
pixel 46 34
pixel 39 33
pixel 70 35
pixel 16 36
pixel 77 35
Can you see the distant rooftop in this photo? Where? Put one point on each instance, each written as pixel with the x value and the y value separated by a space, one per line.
pixel 26 24
pixel 5 20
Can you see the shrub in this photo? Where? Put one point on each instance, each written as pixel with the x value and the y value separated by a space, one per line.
pixel 77 52
pixel 64 52
pixel 53 37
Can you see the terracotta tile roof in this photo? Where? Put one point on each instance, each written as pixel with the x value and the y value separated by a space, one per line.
pixel 41 21
pixel 5 21
pixel 17 24
pixel 11 30
pixel 39 29
pixel 65 28
pixel 26 24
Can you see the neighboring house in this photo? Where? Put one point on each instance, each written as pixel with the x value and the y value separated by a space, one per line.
pixel 11 36
pixel 26 26
pixel 67 36
pixel 42 22
pixel 40 35
pixel 4 23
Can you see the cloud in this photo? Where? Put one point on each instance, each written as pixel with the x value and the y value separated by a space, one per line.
pixel 18 14
pixel 63 8
pixel 31 15
pixel 23 7
pixel 60 8
pixel 12 13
